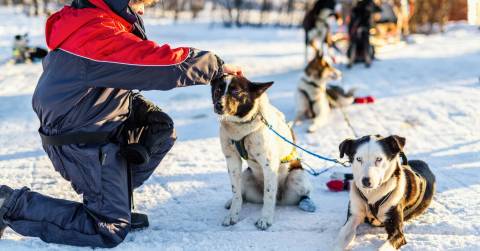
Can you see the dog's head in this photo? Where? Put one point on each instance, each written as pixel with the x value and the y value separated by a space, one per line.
pixel 320 69
pixel 21 40
pixel 235 96
pixel 374 158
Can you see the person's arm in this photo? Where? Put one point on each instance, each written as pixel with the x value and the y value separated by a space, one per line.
pixel 198 68
pixel 119 59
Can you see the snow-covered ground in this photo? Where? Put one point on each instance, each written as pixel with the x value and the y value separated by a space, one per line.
pixel 428 92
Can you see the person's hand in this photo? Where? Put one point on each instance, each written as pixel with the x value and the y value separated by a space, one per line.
pixel 233 69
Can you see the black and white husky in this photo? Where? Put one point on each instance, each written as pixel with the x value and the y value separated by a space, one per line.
pixel 274 175
pixel 385 191
pixel 314 98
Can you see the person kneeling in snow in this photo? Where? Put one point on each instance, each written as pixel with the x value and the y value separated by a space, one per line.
pixel 100 135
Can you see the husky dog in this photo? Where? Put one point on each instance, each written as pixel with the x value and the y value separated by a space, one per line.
pixel 274 175
pixel 313 101
pixel 384 192
pixel 316 26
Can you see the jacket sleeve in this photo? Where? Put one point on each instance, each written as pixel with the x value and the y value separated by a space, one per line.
pixel 122 60
pixel 199 68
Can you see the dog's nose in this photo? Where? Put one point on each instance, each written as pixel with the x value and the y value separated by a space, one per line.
pixel 366 182
pixel 218 107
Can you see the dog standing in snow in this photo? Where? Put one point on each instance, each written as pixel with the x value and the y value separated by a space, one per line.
pixel 314 98
pixel 274 175
pixel 385 191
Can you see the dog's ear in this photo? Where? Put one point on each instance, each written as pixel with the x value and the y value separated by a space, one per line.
pixel 259 88
pixel 394 143
pixel 346 148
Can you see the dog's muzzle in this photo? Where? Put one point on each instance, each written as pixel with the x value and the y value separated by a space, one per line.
pixel 366 182
pixel 218 106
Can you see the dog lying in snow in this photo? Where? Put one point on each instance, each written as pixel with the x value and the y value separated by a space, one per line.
pixel 315 98
pixel 274 175
pixel 385 192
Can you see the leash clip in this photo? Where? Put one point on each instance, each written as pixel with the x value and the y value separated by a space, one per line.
pixel 344 163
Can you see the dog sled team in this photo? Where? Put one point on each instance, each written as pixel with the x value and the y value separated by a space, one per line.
pixel 107 140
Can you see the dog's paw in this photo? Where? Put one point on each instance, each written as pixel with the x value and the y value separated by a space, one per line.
pixel 263 223
pixel 307 205
pixel 228 204
pixel 312 129
pixel 387 246
pixel 230 220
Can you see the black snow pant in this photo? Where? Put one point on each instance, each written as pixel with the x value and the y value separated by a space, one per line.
pixel 99 173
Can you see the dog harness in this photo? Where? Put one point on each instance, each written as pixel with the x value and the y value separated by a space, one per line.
pixel 311 104
pixel 240 146
pixel 308 82
pixel 375 206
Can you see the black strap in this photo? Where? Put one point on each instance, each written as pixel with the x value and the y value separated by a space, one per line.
pixel 311 103
pixel 75 138
pixel 375 206
pixel 308 82
pixel 240 145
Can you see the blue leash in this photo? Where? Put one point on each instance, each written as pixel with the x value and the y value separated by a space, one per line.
pixel 311 171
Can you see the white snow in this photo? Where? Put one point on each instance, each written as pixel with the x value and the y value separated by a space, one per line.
pixel 427 91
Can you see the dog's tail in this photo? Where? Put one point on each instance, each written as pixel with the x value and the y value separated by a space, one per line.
pixel 351 92
pixel 340 96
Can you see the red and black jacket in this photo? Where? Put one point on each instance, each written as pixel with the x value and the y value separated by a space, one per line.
pixel 97 57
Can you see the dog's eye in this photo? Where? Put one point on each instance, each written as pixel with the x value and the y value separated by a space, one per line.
pixel 379 159
pixel 359 159
pixel 235 92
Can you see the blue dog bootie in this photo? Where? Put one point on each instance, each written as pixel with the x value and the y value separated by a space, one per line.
pixel 306 204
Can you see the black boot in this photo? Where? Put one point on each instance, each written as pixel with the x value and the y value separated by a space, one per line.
pixel 138 221
pixel 5 193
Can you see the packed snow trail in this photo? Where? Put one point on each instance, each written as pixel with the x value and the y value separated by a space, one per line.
pixel 427 92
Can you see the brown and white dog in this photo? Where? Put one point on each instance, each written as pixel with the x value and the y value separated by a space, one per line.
pixel 313 100
pixel 274 175
pixel 384 192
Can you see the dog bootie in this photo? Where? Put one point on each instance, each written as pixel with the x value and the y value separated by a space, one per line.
pixel 307 205
pixel 338 185
pixel 364 100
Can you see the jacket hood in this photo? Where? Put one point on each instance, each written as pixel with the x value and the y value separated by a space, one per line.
pixel 68 20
